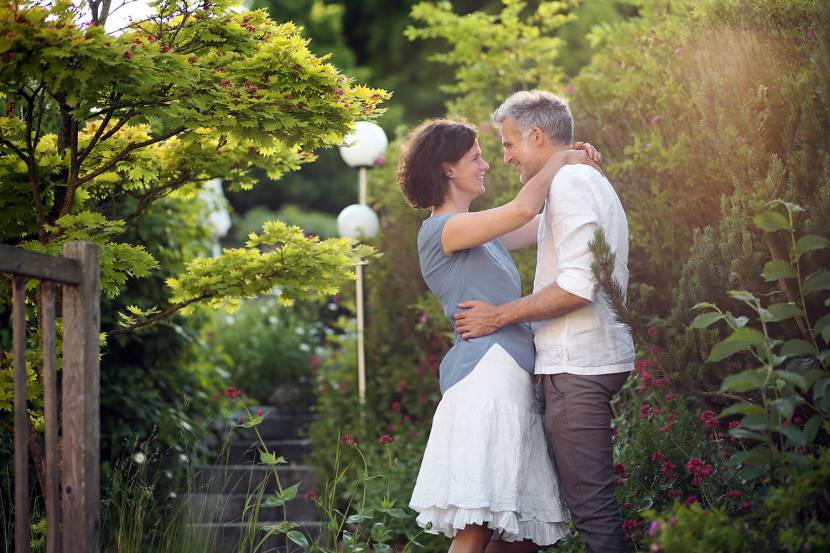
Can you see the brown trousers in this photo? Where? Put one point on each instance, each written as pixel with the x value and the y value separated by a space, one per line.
pixel 578 427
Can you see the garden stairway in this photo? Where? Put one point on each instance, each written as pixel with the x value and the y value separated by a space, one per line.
pixel 221 488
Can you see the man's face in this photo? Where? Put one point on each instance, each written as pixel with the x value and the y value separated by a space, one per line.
pixel 527 157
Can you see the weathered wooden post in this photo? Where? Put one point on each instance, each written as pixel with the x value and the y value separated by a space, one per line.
pixel 81 424
pixel 21 416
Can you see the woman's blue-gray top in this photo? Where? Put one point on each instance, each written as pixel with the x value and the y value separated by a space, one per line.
pixel 486 273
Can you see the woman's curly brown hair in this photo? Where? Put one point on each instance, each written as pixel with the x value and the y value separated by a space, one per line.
pixel 420 169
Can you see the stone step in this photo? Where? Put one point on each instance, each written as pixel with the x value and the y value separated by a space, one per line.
pixel 226 537
pixel 275 427
pixel 221 508
pixel 243 479
pixel 240 452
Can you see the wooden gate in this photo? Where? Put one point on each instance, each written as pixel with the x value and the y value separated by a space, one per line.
pixel 73 471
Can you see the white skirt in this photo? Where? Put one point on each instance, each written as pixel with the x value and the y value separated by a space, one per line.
pixel 486 461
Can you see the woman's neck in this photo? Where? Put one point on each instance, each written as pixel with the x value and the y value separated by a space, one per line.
pixel 452 205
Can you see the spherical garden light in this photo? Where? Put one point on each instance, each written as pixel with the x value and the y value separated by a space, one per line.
pixel 363 148
pixel 358 221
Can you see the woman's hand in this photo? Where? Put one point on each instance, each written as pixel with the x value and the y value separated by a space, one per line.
pixel 592 152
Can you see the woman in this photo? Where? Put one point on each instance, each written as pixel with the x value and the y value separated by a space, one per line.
pixel 486 472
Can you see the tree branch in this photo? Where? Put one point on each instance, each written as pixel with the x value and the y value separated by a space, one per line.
pixel 122 155
pixel 94 140
pixel 157 317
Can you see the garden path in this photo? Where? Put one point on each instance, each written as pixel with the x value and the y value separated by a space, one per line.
pixel 224 486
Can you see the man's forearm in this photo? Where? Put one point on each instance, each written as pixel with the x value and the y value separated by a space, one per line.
pixel 548 303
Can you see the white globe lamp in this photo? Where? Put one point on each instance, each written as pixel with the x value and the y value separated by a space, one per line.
pixel 364 146
pixel 358 221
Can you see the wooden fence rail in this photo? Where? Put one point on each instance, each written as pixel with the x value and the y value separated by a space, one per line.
pixel 72 498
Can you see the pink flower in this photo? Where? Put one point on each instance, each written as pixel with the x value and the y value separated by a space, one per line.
pixel 797 420
pixel 668 426
pixel 386 439
pixel 670 397
pixel 734 494
pixel 570 88
pixel 678 51
pixel 259 413
pixel 400 387
pixel 690 500
pixel 424 317
pixel 232 393
pixel 708 419
pixel 311 495
pixel 645 411
pixel 652 330
pixel 628 505
pixel 657 456
pixel 698 469
pixel 396 406
pixel 653 120
pixel 344 439
pixel 810 34
pixel 668 469
pixel 379 160
pixel 642 364
pixel 745 505
pixel 673 494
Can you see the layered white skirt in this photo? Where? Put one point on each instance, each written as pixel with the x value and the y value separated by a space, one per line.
pixel 486 461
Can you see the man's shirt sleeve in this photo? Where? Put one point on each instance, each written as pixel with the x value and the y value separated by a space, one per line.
pixel 574 220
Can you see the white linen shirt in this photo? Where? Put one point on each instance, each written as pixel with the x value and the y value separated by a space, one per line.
pixel 588 340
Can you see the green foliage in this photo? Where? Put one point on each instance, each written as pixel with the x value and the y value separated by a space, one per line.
pixel 264 348
pixel 786 372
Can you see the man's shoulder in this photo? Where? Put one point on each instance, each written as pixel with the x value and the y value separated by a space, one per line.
pixel 574 181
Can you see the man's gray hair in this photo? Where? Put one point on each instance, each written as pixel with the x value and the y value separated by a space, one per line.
pixel 531 109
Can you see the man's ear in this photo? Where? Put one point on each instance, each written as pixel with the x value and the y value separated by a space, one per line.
pixel 537 137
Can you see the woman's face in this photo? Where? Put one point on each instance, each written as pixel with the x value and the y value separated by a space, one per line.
pixel 468 172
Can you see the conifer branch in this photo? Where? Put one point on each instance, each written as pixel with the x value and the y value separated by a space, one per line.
pixel 603 269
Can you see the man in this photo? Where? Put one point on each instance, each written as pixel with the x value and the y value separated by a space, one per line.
pixel 583 355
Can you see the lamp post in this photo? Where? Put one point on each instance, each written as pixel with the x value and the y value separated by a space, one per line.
pixel 362 149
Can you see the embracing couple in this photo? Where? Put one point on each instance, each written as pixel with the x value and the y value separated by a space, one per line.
pixel 495 469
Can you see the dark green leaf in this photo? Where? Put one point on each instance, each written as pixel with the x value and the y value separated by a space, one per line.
pixel 742 409
pixel 781 311
pixel 812 427
pixel 771 221
pixel 752 472
pixel 356 519
pixel 776 269
pixel 704 305
pixel 740 340
pixel 796 458
pixel 792 378
pixel 811 242
pixel 796 348
pixel 794 434
pixel 397 512
pixel 820 387
pixel 290 492
pixel 298 538
pixel 742 295
pixel 750 379
pixel 819 280
pixel 822 327
pixel 706 319
pixel 758 455
pixel 745 433
pixel 785 406
pixel 755 422
pixel 380 547
pixel 273 501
